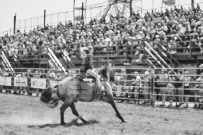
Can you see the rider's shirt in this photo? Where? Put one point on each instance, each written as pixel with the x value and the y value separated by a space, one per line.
pixel 87 63
pixel 105 72
pixel 145 81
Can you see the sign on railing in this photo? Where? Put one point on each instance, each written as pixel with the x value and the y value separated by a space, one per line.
pixel 38 83
pixel 5 81
pixel 20 81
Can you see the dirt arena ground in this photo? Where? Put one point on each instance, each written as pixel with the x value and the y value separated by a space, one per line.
pixel 23 115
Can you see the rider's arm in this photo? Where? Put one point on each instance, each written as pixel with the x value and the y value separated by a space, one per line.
pixel 108 73
pixel 108 76
pixel 90 61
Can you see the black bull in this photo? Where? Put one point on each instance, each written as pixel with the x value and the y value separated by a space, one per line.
pixel 71 90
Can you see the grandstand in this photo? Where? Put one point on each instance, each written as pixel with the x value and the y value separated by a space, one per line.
pixel 134 40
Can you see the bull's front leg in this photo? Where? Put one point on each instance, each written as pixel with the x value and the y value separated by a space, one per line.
pixel 62 110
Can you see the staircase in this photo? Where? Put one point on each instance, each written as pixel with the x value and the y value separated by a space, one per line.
pixel 15 62
pixel 167 56
pixel 54 62
pixel 67 59
pixel 160 58
pixel 6 62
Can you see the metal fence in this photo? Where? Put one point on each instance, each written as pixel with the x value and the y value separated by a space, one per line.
pixel 60 17
pixel 155 87
pixel 30 81
pixel 158 87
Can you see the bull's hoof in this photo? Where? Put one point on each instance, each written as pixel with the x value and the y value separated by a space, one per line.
pixel 124 121
pixel 85 121
pixel 63 123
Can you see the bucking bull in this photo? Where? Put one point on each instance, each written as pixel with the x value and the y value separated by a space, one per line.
pixel 79 88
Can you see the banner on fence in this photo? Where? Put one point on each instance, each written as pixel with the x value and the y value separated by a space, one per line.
pixel 5 81
pixel 38 83
pixel 20 81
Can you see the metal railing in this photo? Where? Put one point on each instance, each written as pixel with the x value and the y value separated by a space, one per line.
pixel 142 86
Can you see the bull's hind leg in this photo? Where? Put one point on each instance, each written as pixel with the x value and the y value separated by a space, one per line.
pixel 75 112
pixel 111 101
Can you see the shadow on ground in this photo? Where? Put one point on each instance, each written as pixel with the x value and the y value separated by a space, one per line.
pixel 74 122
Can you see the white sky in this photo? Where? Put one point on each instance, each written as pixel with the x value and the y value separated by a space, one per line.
pixel 25 9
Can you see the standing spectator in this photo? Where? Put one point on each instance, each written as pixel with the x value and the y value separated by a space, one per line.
pixel 162 82
pixel 137 84
pixel 146 87
pixel 200 92
pixel 186 78
pixel 179 88
pixel 29 73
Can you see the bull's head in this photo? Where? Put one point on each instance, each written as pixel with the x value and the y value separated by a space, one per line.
pixel 46 96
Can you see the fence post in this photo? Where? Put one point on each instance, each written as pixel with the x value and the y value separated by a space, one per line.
pixel 82 17
pixel 74 12
pixel 152 89
pixel 131 8
pixel 14 24
pixel 44 18
pixel 190 49
pixel 192 3
pixel 25 25
pixel 31 23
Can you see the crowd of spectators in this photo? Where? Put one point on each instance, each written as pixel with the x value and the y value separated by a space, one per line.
pixel 171 28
